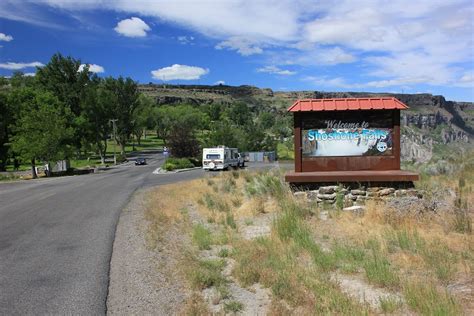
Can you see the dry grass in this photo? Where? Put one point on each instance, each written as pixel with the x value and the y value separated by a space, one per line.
pixel 397 250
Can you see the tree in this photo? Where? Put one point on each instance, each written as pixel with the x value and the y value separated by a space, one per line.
pixel 183 142
pixel 126 93
pixel 19 80
pixel 61 77
pixel 240 114
pixel 143 117
pixel 98 111
pixel 223 133
pixel 5 120
pixel 266 120
pixel 42 130
pixel 174 117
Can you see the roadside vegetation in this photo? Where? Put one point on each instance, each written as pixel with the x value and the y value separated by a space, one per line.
pixel 171 164
pixel 67 112
pixel 247 233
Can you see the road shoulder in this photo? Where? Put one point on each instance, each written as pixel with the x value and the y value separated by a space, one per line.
pixel 142 281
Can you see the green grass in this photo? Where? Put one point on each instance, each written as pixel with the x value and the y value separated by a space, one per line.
pixel 202 237
pixel 22 167
pixel 214 203
pixel 377 267
pixel 406 240
pixel 230 221
pixel 223 253
pixel 233 306
pixel 228 184
pixel 440 259
pixel 436 255
pixel 427 300
pixel 8 177
pixel 152 142
pixel 390 305
pixel 207 273
pixel 348 257
pixel 266 184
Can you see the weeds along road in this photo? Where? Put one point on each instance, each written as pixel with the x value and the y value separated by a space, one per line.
pixel 56 238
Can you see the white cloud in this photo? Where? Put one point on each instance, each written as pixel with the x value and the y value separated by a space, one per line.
pixel 92 68
pixel 276 70
pixel 5 38
pixel 377 34
pixel 337 82
pixel 133 27
pixel 18 66
pixel 179 72
pixel 219 82
pixel 314 56
pixel 30 74
pixel 466 80
pixel 185 40
pixel 243 46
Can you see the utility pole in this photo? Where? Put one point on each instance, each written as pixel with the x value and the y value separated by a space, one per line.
pixel 113 128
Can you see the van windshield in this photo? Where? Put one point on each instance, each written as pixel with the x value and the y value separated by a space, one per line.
pixel 213 156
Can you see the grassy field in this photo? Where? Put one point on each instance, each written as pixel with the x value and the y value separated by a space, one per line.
pixel 390 260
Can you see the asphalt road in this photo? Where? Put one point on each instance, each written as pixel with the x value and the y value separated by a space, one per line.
pixel 56 237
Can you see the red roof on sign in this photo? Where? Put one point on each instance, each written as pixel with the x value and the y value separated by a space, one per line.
pixel 308 105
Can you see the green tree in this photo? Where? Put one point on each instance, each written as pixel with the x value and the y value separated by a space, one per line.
pixel 240 114
pixel 143 117
pixel 174 117
pixel 41 131
pixel 224 133
pixel 61 77
pixel 126 93
pixel 266 120
pixel 19 80
pixel 98 110
pixel 5 120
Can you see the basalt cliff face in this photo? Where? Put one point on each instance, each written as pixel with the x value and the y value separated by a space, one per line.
pixel 430 127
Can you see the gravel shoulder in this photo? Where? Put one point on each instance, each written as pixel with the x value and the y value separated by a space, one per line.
pixel 143 281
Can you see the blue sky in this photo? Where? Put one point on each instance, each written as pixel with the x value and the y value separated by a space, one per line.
pixel 366 45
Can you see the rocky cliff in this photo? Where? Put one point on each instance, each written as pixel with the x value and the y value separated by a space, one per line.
pixel 432 125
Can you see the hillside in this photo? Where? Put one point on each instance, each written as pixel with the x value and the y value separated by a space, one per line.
pixel 431 127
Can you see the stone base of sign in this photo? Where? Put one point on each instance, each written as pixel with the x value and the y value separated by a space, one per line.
pixel 350 194
pixel 351 176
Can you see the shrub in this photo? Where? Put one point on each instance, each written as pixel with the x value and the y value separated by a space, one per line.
pixel 202 237
pixel 177 163
pixel 207 274
pixel 230 221
pixel 233 306
pixel 121 158
pixel 228 184
pixel 267 184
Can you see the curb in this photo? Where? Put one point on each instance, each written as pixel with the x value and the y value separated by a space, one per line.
pixel 187 169
pixel 159 170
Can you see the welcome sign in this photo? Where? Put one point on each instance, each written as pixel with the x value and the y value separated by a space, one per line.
pixel 340 138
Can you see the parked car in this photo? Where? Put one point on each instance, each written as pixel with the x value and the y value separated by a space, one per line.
pixel 140 161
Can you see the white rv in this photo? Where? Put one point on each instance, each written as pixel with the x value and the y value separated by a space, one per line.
pixel 221 158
